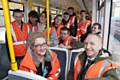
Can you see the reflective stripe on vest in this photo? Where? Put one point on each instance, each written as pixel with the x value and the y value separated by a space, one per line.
pixel 19 42
pixel 16 42
pixel 67 41
pixel 13 34
pixel 98 72
pixel 103 68
pixel 71 21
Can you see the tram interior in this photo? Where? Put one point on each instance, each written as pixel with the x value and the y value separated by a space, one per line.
pixel 100 11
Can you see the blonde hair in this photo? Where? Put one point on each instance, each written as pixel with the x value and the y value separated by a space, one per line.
pixel 34 35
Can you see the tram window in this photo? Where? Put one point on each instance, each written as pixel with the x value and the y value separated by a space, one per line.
pixel 53 16
pixel 53 12
pixel 0 4
pixel 36 9
pixel 1 19
pixel 41 10
pixel 114 41
pixel 13 5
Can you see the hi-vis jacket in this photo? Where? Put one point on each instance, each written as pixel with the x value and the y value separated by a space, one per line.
pixel 70 22
pixel 82 27
pixel 19 38
pixel 28 64
pixel 67 41
pixel 102 68
pixel 33 28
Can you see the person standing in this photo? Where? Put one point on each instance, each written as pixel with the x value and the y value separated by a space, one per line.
pixel 19 31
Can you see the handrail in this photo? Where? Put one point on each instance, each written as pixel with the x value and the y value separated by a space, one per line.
pixel 9 36
pixel 48 25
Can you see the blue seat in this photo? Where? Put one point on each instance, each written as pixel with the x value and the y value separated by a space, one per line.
pixel 73 55
pixel 62 55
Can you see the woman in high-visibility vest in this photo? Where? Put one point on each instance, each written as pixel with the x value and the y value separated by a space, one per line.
pixel 43 28
pixel 33 21
pixel 40 59
pixel 58 24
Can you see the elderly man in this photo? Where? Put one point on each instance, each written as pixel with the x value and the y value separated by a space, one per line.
pixel 94 63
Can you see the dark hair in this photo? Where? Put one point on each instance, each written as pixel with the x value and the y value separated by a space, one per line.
pixel 71 8
pixel 57 16
pixel 66 13
pixel 64 28
pixel 16 11
pixel 43 12
pixel 97 24
pixel 33 14
pixel 83 11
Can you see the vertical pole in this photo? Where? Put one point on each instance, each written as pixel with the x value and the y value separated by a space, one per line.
pixel 9 36
pixel 94 11
pixel 48 25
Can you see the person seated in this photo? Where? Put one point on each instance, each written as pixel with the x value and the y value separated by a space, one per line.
pixel 39 59
pixel 95 63
pixel 43 28
pixel 33 21
pixel 96 28
pixel 57 24
pixel 67 41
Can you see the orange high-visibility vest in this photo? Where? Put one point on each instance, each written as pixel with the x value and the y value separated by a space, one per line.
pixel 29 65
pixel 82 28
pixel 19 38
pixel 34 28
pixel 70 22
pixel 58 30
pixel 67 41
pixel 96 70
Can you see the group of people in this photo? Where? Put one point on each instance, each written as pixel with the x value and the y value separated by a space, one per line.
pixel 33 54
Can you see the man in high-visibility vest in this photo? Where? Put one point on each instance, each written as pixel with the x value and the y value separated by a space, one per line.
pixel 67 41
pixel 95 63
pixel 19 31
pixel 73 21
pixel 84 26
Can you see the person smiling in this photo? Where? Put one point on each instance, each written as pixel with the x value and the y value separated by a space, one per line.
pixel 39 59
pixel 95 63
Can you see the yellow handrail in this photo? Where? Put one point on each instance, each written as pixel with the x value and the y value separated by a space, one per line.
pixel 48 25
pixel 30 2
pixel 9 36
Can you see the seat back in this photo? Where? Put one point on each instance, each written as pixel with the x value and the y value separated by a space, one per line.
pixel 73 55
pixel 62 55
pixel 23 75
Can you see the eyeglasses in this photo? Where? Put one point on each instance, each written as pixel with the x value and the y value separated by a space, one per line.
pixel 43 45
pixel 18 16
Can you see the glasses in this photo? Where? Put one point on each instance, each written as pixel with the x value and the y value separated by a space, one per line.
pixel 18 16
pixel 41 45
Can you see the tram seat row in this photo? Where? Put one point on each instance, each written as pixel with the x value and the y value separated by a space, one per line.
pixel 66 59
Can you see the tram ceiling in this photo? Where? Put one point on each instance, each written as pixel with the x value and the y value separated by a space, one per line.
pixel 60 4
pixel 64 4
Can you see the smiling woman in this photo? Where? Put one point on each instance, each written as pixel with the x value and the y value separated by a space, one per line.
pixel 39 59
